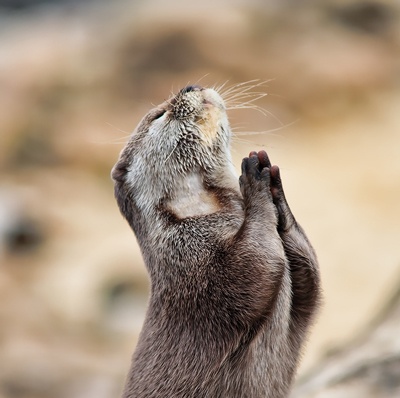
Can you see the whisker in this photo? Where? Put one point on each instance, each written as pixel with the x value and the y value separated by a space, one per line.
pixel 173 150
pixel 201 78
pixel 244 95
pixel 106 142
pixel 254 98
pixel 268 132
pixel 238 127
pixel 244 141
pixel 118 129
pixel 249 98
pixel 259 109
pixel 243 87
pixel 239 86
pixel 114 141
pixel 219 88
pixel 239 90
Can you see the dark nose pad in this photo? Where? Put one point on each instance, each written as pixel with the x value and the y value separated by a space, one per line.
pixel 187 89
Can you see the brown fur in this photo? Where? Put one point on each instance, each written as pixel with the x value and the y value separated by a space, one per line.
pixel 234 280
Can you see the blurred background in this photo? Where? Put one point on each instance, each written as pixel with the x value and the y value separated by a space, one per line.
pixel 75 79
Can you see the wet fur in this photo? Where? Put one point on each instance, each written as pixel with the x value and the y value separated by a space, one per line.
pixel 234 281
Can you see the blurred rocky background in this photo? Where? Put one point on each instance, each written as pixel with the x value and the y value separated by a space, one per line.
pixel 75 79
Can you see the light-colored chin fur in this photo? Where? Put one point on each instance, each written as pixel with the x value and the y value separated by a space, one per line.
pixel 192 199
pixel 187 196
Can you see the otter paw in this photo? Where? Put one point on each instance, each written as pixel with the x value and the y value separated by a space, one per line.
pixel 285 217
pixel 263 159
pixel 255 176
pixel 276 184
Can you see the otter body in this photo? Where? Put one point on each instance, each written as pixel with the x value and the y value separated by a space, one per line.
pixel 234 280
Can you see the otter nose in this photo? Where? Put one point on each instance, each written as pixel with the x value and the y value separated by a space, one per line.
pixel 191 88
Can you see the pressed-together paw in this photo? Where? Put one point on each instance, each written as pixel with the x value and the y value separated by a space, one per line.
pixel 258 164
pixel 285 217
pixel 261 180
pixel 263 159
pixel 276 184
pixel 255 175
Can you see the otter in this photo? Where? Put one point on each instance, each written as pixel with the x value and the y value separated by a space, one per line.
pixel 234 280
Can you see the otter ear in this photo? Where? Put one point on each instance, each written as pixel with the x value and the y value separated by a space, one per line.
pixel 119 171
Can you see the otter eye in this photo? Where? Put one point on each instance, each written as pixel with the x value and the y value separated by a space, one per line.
pixel 158 114
pixel 188 89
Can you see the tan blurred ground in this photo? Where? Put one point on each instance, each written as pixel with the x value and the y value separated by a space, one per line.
pixel 76 79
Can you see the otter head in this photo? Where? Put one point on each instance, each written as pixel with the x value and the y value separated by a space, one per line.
pixel 180 148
